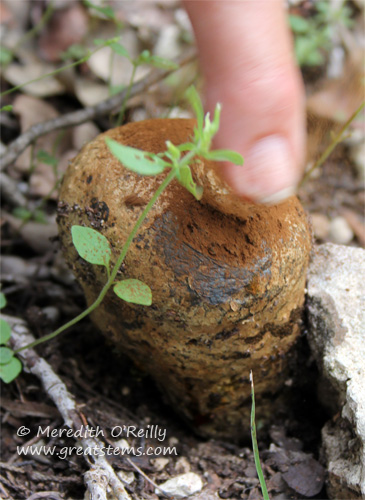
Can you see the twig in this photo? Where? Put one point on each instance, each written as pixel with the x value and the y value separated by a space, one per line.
pixel 10 191
pixel 339 137
pixel 90 113
pixel 66 405
pixel 149 480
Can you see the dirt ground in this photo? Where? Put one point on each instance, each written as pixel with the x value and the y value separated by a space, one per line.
pixel 111 394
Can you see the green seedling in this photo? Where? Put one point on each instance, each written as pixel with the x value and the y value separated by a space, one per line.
pixel 144 57
pixel 10 367
pixel 255 446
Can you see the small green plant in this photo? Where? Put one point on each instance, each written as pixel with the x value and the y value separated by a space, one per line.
pixel 144 58
pixel 176 160
pixel 313 35
pixel 255 446
pixel 10 366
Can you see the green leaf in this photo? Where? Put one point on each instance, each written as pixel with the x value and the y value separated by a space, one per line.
pixel 22 213
pixel 10 371
pixel 5 355
pixel 174 151
pixel 106 11
pixel 185 178
pixel 255 447
pixel 91 245
pixel 119 49
pixel 298 24
pixel 105 42
pixel 75 51
pixel 143 58
pixel 5 331
pixel 8 107
pixel 136 160
pixel 2 300
pixel 6 55
pixel 115 89
pixel 186 146
pixel 45 157
pixel 307 53
pixel 161 62
pixel 39 216
pixel 225 155
pixel 134 291
pixel 195 102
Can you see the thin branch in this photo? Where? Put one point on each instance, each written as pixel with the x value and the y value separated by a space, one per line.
pixel 86 114
pixel 10 191
pixel 101 470
pixel 339 137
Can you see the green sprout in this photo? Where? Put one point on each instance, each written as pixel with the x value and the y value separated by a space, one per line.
pixel 10 367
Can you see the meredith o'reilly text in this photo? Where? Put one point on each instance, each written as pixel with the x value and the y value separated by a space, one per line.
pixel 86 431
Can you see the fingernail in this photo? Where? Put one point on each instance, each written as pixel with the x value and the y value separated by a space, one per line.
pixel 269 174
pixel 276 198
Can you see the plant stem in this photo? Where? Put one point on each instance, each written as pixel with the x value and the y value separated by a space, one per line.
pixel 115 270
pixel 42 22
pixel 332 145
pixel 254 445
pixel 124 104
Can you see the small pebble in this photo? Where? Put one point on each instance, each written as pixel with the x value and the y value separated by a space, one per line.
pixel 181 486
pixel 52 313
pixel 182 465
pixel 168 44
pixel 126 477
pixel 159 463
pixel 340 231
pixel 321 226
pixel 126 391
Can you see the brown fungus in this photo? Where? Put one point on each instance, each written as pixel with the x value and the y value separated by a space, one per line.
pixel 227 279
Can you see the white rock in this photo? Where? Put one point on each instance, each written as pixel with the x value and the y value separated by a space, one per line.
pixel 182 465
pixel 168 45
pixel 181 486
pixel 336 311
pixel 126 477
pixel 321 225
pixel 159 463
pixel 340 232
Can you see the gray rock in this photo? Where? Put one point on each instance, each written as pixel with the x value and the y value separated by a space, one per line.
pixel 340 232
pixel 336 300
pixel 181 486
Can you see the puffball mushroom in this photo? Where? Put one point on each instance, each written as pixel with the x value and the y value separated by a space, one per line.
pixel 227 279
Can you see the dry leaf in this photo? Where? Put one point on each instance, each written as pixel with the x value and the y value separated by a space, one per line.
pixel 90 92
pixel 145 14
pixel 18 74
pixel 84 133
pixel 43 180
pixel 31 111
pixel 66 27
pixel 338 99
